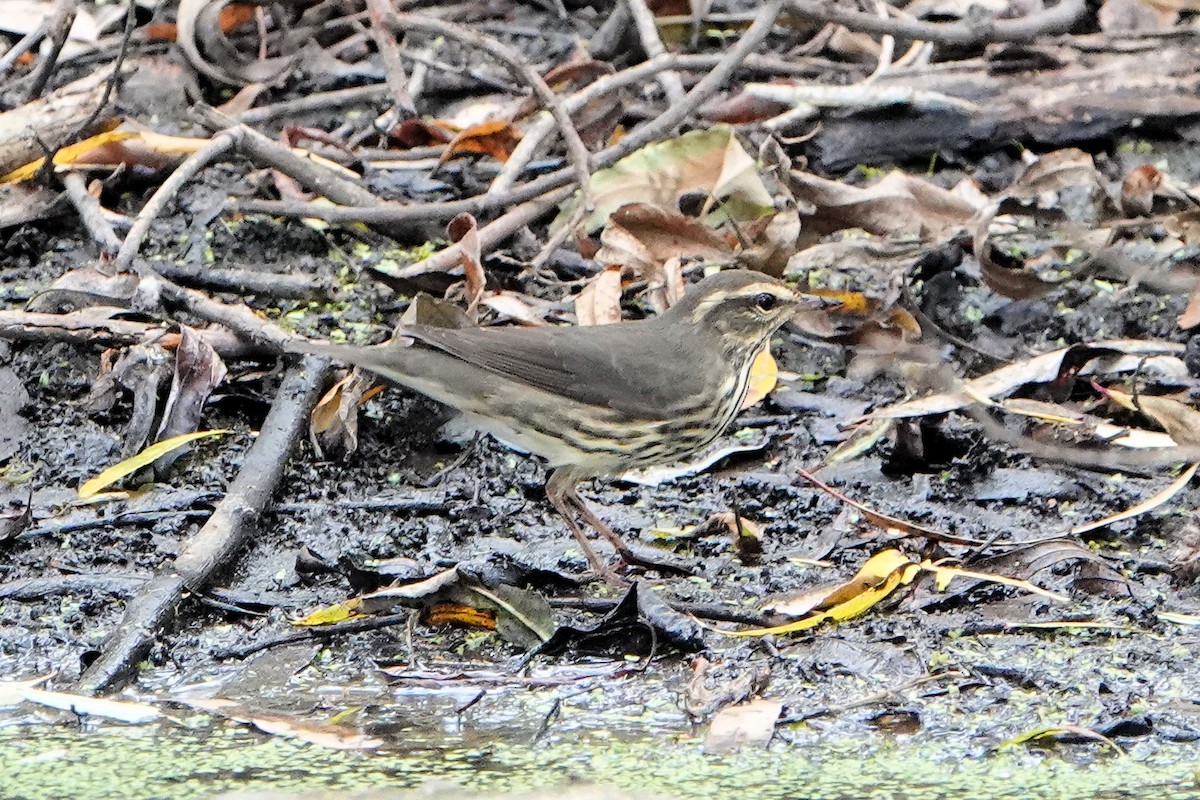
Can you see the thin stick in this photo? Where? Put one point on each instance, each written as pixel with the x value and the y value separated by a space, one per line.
pixel 576 150
pixel 1056 19
pixel 647 31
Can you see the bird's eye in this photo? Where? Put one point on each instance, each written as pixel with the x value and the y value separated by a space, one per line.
pixel 765 301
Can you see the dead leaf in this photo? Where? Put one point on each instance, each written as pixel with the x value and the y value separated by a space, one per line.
pixel 898 205
pixel 660 235
pixel 496 139
pixel 1190 317
pixel 113 148
pixel 600 301
pixel 142 459
pixel 337 737
pixel 1126 355
pixel 1011 280
pixel 764 375
pixel 1180 421
pixel 711 162
pixel 198 371
pixel 749 724
pixel 464 231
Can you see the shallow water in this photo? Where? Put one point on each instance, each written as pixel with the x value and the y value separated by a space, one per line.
pixel 43 762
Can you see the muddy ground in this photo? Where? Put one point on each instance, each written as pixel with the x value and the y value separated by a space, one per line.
pixel 956 666
pixel 920 688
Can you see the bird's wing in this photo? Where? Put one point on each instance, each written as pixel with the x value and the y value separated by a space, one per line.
pixel 627 367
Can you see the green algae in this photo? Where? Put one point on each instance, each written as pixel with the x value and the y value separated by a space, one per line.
pixel 50 763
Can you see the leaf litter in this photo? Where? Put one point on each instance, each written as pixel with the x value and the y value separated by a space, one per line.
pixel 1046 290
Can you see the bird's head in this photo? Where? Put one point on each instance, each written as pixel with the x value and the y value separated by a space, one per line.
pixel 743 308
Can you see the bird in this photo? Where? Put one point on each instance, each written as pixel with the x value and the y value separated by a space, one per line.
pixel 594 401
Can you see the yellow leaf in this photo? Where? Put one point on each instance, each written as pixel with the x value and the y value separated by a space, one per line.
pixel 142 459
pixel 339 612
pixel 764 374
pixel 875 580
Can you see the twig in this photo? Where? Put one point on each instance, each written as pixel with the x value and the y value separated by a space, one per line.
pixel 28 589
pixel 154 609
pixel 246 281
pixel 320 633
pixel 647 31
pixel 576 150
pixel 216 147
pixel 126 35
pixel 24 45
pixel 91 213
pixel 1056 19
pixel 490 235
pixel 385 42
pixel 321 101
pixel 649 132
pixel 83 328
pixel 61 21
pixel 121 519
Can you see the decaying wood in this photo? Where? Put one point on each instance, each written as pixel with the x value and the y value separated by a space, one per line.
pixel 25 129
pixel 1084 95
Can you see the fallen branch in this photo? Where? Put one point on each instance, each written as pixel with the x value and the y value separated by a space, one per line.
pixel 154 610
pixel 1056 19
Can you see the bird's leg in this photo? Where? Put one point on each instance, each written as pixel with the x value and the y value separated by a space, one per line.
pixel 560 491
pixel 659 561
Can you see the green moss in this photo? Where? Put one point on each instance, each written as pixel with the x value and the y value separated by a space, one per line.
pixel 45 763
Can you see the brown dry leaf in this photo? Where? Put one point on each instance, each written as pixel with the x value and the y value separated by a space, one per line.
pixel 887 333
pixel 1180 421
pixel 231 17
pixel 746 724
pixel 17 520
pixel 420 133
pixel 659 235
pixel 464 231
pixel 711 163
pixel 333 422
pixel 1138 190
pixel 198 371
pixel 744 107
pixel 1111 356
pixel 1043 180
pixel 898 205
pixel 1015 281
pixel 497 139
pixel 600 301
pixel 772 241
